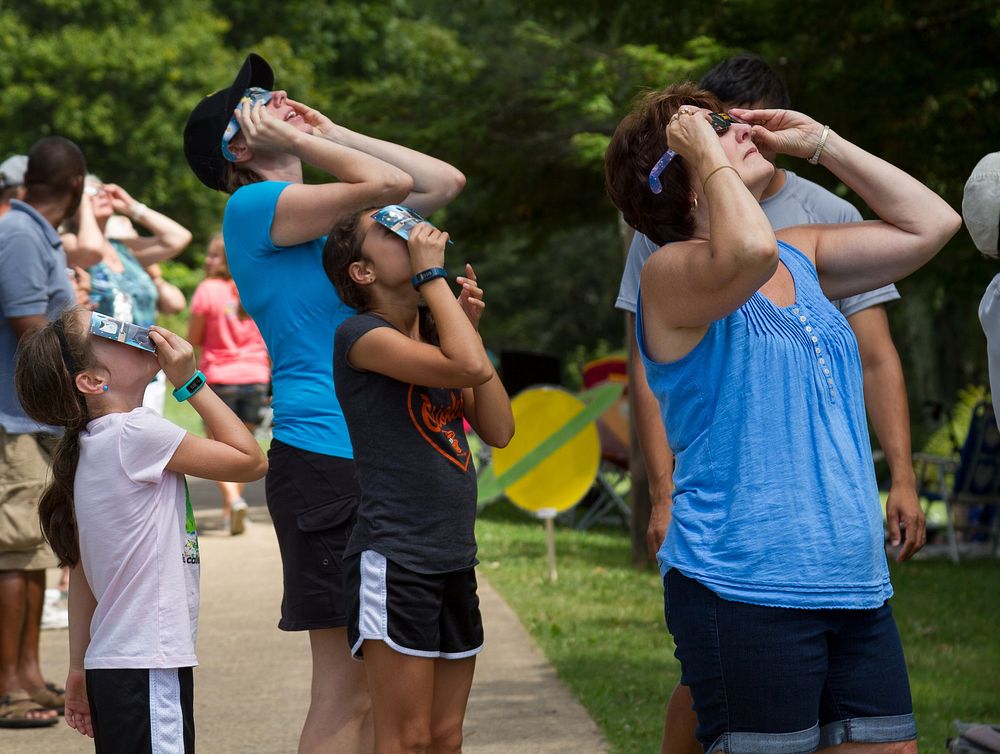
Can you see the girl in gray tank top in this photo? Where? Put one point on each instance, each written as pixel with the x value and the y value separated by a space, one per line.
pixel 406 384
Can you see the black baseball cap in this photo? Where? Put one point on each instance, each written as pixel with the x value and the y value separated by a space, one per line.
pixel 208 121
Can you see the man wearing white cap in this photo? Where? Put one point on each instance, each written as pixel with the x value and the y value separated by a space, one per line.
pixel 981 211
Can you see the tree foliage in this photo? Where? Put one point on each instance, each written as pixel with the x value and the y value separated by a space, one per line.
pixel 522 96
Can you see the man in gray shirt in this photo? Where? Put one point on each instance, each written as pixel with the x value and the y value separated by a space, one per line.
pixel 746 81
pixel 34 289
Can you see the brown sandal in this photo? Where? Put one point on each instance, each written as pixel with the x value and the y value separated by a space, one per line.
pixel 16 708
pixel 50 697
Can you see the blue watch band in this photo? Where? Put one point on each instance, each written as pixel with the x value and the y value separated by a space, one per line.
pixel 192 386
pixel 429 274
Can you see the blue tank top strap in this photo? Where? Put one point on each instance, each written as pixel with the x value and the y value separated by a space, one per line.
pixel 797 262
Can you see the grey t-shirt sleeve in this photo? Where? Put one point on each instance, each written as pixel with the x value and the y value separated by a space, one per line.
pixel 854 304
pixel 24 279
pixel 802 202
pixel 638 252
pixel 347 335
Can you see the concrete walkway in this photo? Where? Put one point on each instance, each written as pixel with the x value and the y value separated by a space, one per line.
pixel 252 687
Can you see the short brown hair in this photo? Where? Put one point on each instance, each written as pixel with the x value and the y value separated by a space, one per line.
pixel 635 147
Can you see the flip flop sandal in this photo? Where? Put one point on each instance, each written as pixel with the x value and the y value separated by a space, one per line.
pixel 15 709
pixel 51 697
pixel 54 688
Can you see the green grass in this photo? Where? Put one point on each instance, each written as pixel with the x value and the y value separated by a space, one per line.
pixel 601 625
pixel 181 414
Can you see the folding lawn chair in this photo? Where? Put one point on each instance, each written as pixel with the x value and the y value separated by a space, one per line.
pixel 972 499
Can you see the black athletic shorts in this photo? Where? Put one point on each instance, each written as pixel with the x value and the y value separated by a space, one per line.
pixel 142 711
pixel 313 500
pixel 245 401
pixel 419 614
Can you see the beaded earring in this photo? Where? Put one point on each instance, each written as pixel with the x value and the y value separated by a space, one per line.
pixel 105 388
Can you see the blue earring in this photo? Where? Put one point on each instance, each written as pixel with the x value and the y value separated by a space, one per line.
pixel 105 388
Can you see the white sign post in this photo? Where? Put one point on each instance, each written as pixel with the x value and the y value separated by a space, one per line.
pixel 548 515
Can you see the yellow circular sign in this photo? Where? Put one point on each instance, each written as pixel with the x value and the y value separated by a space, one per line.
pixel 562 479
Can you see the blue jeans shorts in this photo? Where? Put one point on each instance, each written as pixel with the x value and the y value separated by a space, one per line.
pixel 787 681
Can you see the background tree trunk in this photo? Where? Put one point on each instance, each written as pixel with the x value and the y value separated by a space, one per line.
pixel 637 467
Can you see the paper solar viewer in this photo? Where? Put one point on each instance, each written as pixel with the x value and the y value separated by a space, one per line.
pixel 124 332
pixel 399 219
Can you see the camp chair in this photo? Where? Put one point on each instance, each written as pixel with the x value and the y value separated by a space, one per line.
pixel 974 739
pixel 608 505
pixel 974 480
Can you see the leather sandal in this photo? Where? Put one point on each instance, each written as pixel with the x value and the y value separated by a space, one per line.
pixel 16 708
pixel 50 697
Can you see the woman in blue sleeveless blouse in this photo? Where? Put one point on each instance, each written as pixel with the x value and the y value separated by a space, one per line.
pixel 775 577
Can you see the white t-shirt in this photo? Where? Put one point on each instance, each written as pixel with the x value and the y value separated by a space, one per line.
pixel 797 202
pixel 138 543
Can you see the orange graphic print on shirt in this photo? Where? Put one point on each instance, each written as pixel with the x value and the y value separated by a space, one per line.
pixel 437 414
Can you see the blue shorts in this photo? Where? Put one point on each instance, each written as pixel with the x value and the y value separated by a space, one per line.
pixel 785 681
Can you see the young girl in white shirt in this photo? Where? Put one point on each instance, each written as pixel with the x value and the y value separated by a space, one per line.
pixel 117 511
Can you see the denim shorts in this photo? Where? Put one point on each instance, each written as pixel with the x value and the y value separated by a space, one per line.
pixel 787 681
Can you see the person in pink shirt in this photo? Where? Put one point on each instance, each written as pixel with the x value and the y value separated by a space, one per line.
pixel 233 358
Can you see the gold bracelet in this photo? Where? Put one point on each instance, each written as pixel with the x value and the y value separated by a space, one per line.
pixel 704 183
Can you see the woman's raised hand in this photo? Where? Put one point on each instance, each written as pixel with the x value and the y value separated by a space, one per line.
pixel 121 201
pixel 691 135
pixel 471 297
pixel 426 245
pixel 176 355
pixel 264 131
pixel 783 131
pixel 321 125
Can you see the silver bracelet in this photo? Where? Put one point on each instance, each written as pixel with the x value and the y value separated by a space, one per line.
pixel 138 210
pixel 819 147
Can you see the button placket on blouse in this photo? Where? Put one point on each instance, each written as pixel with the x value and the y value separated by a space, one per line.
pixel 820 358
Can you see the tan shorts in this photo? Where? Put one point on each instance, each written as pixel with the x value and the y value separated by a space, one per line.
pixel 24 471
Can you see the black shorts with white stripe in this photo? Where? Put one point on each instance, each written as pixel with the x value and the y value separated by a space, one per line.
pixel 142 711
pixel 420 614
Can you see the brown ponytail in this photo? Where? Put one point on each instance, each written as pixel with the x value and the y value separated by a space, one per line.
pixel 342 249
pixel 47 391
pixel 234 177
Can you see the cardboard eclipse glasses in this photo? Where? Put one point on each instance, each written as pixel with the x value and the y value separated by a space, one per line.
pixel 720 123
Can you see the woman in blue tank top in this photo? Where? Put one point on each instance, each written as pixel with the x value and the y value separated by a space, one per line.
pixel 775 577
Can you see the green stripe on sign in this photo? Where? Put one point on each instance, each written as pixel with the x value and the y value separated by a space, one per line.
pixel 597 401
